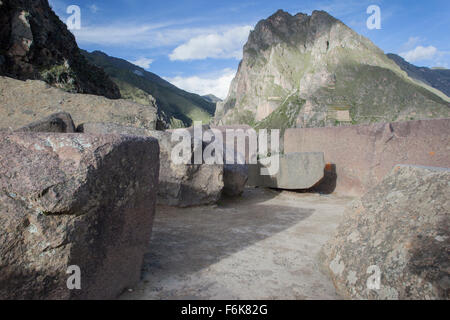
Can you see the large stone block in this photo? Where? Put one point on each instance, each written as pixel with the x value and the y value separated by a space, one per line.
pixel 74 199
pixel 179 184
pixel 186 185
pixel 396 235
pixel 296 171
pixel 235 177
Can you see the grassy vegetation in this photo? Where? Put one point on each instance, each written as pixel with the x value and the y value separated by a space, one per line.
pixel 62 76
pixel 284 117
pixel 378 94
pixel 245 117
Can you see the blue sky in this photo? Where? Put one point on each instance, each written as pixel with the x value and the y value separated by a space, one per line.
pixel 197 45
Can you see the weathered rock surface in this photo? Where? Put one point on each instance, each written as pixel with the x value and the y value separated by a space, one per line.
pixel 235 177
pixel 186 185
pixel 402 228
pixel 22 102
pixel 296 171
pixel 361 156
pixel 36 44
pixel 73 199
pixel 179 184
pixel 59 122
pixel 110 128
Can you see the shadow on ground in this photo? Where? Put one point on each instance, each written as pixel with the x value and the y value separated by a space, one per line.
pixel 202 236
pixel 259 246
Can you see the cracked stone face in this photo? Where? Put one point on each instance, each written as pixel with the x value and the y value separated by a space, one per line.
pixel 394 242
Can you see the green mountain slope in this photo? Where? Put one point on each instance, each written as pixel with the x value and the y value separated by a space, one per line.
pixel 176 107
pixel 314 71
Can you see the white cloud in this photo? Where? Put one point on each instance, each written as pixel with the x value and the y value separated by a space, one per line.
pixel 420 53
pixel 223 45
pixel 143 62
pixel 93 8
pixel 142 36
pixel 217 84
pixel 412 41
pixel 116 35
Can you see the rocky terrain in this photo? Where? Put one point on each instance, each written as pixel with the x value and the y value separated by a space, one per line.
pixel 400 229
pixel 314 71
pixel 61 122
pixel 23 102
pixel 438 78
pixel 35 44
pixel 82 176
pixel 69 181
pixel 176 107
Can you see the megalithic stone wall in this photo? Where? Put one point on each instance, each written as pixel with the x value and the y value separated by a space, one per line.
pixel 358 157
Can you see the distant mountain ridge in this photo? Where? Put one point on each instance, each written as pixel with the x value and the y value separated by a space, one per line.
pixel 438 78
pixel 212 98
pixel 176 107
pixel 313 71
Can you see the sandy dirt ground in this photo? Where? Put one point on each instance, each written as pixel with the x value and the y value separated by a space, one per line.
pixel 263 245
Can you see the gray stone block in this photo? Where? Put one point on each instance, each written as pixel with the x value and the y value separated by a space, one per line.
pixel 296 171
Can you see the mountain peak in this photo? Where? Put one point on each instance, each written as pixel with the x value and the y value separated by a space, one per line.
pixel 282 27
pixel 305 69
pixel 322 13
pixel 280 14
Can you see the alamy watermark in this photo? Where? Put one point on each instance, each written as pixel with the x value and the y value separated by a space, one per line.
pixel 73 22
pixel 374 281
pixel 374 21
pixel 235 150
pixel 74 280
